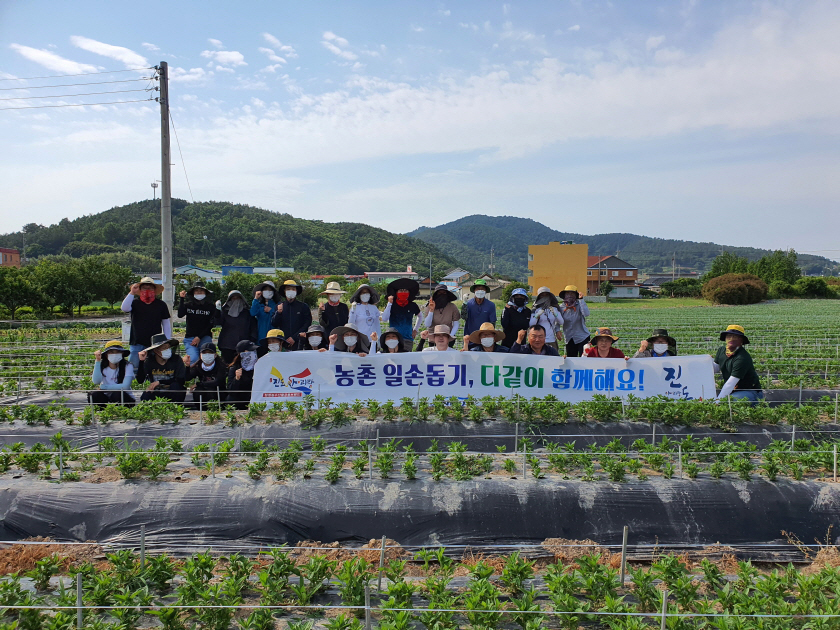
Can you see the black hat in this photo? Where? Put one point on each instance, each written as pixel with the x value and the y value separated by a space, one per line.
pixel 661 332
pixel 404 284
pixel 246 345
pixel 199 284
pixel 449 292
pixel 161 340
pixel 208 345
pixel 315 328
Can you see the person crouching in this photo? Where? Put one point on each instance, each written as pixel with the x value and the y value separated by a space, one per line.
pixel 164 369
pixel 113 373
pixel 210 374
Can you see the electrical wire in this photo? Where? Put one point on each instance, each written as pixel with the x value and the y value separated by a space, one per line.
pixel 83 74
pixel 26 98
pixel 41 87
pixel 178 142
pixel 141 100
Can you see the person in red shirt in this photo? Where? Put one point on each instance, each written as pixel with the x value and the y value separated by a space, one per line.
pixel 602 342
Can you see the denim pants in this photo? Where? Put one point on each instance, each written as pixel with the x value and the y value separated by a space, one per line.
pixel 133 358
pixel 753 395
pixel 193 351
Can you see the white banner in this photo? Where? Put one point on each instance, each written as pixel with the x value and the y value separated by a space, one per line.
pixel 344 377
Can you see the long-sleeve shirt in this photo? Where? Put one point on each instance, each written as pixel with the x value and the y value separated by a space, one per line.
pixel 477 314
pixel 263 317
pixel 548 319
pixel 574 321
pixel 333 315
pixel 146 319
pixel 366 318
pixel 109 377
pixel 171 375
pixel 236 329
pixel 201 317
pixel 295 319
pixel 209 379
pixel 402 318
pixel 514 320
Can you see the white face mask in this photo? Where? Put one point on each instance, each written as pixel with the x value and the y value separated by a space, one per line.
pixel 199 296
pixel 392 343
pixel 248 360
pixel 166 354
pixel 480 294
pixel 350 341
pixel 114 358
pixel 208 358
pixel 660 348
pixel 365 297
pixel 334 298
pixel 488 341
pixel 291 295
pixel 274 347
pixel 268 294
pixel 315 341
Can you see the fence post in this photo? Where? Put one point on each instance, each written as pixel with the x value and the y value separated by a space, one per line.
pixel 624 553
pixel 367 606
pixel 80 618
pixel 381 566
pixel 835 408
pixel 213 461
pixel 201 409
pixel 679 454
pixel 729 398
pixel 792 438
pixel 142 546
pixel 60 463
pixel 524 463
pixel 516 438
pixel 653 438
pixel 664 610
pixel 370 463
pixel 835 462
pixel 800 394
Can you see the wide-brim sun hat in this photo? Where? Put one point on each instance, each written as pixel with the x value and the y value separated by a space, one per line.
pixel 661 332
pixel 520 291
pixel 475 336
pixel 198 284
pixel 374 294
pixel 315 328
pixel 262 286
pixel 443 287
pixel 333 288
pixel 404 284
pixel 161 340
pixel 734 329
pixel 552 298
pixel 342 330
pixel 570 288
pixel 479 284
pixel 148 280
pixel 291 283
pixel 115 344
pixel 441 329
pixel 391 331
pixel 274 333
pixel 603 332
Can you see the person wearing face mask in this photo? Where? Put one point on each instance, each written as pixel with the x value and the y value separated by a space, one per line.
pixel 478 310
pixel 440 338
pixel 547 315
pixel 164 370
pixel 333 313
pixel 364 313
pixel 659 344
pixel 516 316
pixel 237 325
pixel 209 374
pixel 734 363
pixel 263 306
pixel 316 339
pixel 293 316
pixel 274 341
pixel 402 309
pixel 486 339
pixel 196 304
pixel 442 312
pixel 113 374
pixel 349 339
pixel 574 312
pixel 393 342
pixel 240 378
pixel 149 316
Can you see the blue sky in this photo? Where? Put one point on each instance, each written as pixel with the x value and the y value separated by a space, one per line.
pixel 696 120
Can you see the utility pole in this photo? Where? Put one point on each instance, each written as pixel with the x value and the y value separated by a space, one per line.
pixel 165 187
pixel 275 256
pixel 674 267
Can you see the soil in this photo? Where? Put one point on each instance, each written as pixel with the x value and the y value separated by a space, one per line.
pixel 105 474
pixel 20 558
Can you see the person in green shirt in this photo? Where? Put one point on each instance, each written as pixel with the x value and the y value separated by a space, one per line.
pixel 734 363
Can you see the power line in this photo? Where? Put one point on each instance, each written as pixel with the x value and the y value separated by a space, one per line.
pixel 26 98
pixel 178 142
pixel 41 87
pixel 141 100
pixel 83 74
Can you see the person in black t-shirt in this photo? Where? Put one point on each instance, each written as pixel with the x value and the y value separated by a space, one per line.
pixel 197 306
pixel 164 370
pixel 333 313
pixel 149 316
pixel 241 374
pixel 210 374
pixel 237 325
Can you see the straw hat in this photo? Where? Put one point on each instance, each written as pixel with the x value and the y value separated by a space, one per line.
pixel 603 332
pixel 333 288
pixel 734 329
pixel 148 280
pixel 475 336
pixel 115 344
pixel 569 287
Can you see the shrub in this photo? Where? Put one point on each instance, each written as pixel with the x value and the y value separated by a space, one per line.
pixel 682 287
pixel 810 287
pixel 735 288
pixel 780 289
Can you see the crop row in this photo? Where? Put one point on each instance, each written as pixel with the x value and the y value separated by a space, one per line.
pixel 419 591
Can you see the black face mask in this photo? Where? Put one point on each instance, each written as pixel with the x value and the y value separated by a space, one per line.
pixel 518 301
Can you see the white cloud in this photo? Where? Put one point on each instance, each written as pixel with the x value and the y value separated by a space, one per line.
pixel 51 61
pixel 337 45
pixel 225 57
pixel 271 55
pixel 149 46
pixel 574 27
pixel 193 75
pixel 654 42
pixel 468 25
pixel 272 68
pixel 215 43
pixel 444 12
pixel 332 37
pixel 126 56
pixel 417 29
pixel 283 49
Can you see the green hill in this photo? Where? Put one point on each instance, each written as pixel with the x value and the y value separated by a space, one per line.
pixel 234 234
pixel 469 239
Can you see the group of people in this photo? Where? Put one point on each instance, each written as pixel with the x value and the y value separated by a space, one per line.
pixel 277 322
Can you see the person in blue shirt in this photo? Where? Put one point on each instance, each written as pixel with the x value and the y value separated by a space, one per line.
pixel 478 310
pixel 402 309
pixel 659 344
pixel 486 339
pixel 113 373
pixel 263 306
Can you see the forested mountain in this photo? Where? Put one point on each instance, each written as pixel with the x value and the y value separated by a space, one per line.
pixel 469 239
pixel 224 233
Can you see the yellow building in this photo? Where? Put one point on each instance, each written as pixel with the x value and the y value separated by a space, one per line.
pixel 556 265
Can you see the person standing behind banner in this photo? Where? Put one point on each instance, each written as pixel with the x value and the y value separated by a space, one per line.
pixel 659 344
pixel 478 310
pixel 735 364
pixel 442 311
pixel 574 312
pixel 393 342
pixel 349 339
pixel 201 315
pixel 113 374
pixel 546 314
pixel 516 316
pixel 364 312
pixel 402 309
pixel 486 339
pixel 536 343
pixel 149 316
pixel 602 346
pixel 237 325
pixel 210 375
pixel 263 306
pixel 240 379
pixel 292 316
pixel 316 339
pixel 164 370
pixel 440 338
pixel 333 313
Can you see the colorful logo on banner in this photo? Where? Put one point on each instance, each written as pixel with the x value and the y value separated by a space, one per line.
pixel 276 378
pixel 302 382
